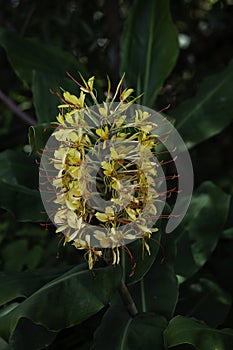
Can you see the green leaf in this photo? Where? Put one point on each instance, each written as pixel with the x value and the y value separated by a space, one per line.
pixel 29 336
pixel 43 67
pixel 140 258
pixel 119 331
pixel 44 101
pixel 204 300
pixel 68 300
pixel 18 183
pixel 149 47
pixel 199 233
pixel 12 198
pixel 221 264
pixel 228 233
pixel 23 284
pixel 17 168
pixel 209 112
pixel 158 291
pixel 183 330
pixel 38 136
pixel 4 345
pixel 17 255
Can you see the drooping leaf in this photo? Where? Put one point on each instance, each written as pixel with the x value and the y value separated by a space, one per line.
pixel 204 300
pixel 183 330
pixel 119 331
pixel 209 111
pixel 43 67
pixel 199 233
pixel 149 47
pixel 68 300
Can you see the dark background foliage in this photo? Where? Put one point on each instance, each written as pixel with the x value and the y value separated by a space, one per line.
pixel 55 303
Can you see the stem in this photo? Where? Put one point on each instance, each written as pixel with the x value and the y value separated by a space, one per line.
pixel 143 295
pixel 15 109
pixel 127 299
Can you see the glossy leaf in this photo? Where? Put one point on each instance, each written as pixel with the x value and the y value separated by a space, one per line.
pixel 182 330
pixel 149 47
pixel 119 331
pixel 72 298
pixel 199 233
pixel 209 111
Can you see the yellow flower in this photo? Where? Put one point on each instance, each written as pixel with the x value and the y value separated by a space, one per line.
pixel 109 167
pixel 109 215
pixel 103 133
pixel 126 93
pixel 71 98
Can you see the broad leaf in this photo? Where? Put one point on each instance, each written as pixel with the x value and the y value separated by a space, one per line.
pixel 17 255
pixel 182 330
pixel 204 300
pixel 12 198
pixel 23 284
pixel 17 168
pixel 199 233
pixel 29 336
pixel 38 136
pixel 68 300
pixel 140 262
pixel 119 331
pixel 43 67
pixel 158 291
pixel 149 47
pixel 209 112
pixel 19 180
pixel 4 345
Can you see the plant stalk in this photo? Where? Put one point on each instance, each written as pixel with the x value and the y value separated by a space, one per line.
pixel 15 109
pixel 127 299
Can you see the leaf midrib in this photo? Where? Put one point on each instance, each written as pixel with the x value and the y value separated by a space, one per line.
pixel 124 336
